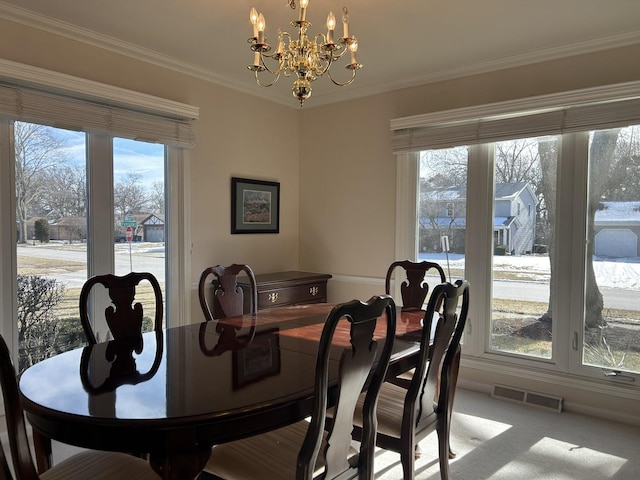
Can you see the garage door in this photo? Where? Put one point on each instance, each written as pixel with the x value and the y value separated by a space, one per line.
pixel 616 242
pixel 154 233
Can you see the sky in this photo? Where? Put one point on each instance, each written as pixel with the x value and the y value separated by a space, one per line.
pixel 130 156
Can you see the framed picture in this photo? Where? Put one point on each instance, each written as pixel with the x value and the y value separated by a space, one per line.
pixel 258 359
pixel 255 206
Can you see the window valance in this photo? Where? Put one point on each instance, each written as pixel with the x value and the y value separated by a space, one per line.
pixel 35 95
pixel 600 108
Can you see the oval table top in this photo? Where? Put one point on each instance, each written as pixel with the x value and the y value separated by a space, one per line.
pixel 190 387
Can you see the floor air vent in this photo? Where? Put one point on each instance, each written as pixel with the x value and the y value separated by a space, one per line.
pixel 530 398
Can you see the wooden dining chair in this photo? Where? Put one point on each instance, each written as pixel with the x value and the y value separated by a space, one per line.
pixel 305 450
pixel 88 464
pixel 407 414
pixel 124 318
pixel 228 296
pixel 414 288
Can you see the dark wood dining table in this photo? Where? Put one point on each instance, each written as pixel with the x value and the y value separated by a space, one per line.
pixel 191 387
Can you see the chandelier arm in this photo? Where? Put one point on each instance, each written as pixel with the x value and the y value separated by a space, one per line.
pixel 353 77
pixel 277 76
pixel 340 53
pixel 266 67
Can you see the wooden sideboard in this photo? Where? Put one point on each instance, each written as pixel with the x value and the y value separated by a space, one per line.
pixel 280 289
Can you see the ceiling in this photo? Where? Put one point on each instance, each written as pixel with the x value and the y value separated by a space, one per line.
pixel 402 43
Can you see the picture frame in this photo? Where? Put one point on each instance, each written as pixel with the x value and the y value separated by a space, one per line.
pixel 258 359
pixel 255 206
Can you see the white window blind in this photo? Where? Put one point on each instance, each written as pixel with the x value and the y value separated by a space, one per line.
pixel 504 121
pixel 62 111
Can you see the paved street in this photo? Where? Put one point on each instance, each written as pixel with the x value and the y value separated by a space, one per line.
pixel 147 257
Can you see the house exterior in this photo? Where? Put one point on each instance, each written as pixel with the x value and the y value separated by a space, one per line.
pixel 152 228
pixel 617 229
pixel 443 212
pixel 69 229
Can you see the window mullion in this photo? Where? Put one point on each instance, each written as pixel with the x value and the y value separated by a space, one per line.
pixel 478 246
pixel 100 228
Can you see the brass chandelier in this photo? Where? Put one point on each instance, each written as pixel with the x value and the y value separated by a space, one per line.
pixel 299 55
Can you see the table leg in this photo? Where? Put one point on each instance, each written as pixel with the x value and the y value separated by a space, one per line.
pixel 185 466
pixel 42 448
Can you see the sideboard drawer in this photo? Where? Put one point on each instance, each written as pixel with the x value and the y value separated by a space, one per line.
pixel 280 289
pixel 315 292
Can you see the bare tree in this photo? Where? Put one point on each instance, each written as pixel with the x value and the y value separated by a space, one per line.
pixel 602 167
pixel 129 195
pixel 65 191
pixel 444 168
pixel 156 198
pixel 602 178
pixel 548 150
pixel 37 150
pixel 518 161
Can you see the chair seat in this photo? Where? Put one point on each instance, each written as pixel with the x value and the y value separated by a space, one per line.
pixel 97 465
pixel 270 456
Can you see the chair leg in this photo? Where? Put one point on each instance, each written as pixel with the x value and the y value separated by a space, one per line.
pixel 418 452
pixel 444 450
pixel 406 458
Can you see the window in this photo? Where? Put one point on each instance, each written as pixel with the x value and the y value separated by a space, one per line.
pixel 450 210
pixel 549 303
pixel 61 190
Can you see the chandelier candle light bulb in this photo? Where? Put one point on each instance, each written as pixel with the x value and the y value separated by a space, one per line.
pixel 253 17
pixel 261 26
pixel 303 10
pixel 353 46
pixel 306 58
pixel 331 25
pixel 345 22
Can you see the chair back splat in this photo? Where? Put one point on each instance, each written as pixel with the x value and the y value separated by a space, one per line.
pixel 414 289
pixel 123 317
pixel 228 296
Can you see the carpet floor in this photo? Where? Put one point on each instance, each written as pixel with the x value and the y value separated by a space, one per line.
pixel 500 440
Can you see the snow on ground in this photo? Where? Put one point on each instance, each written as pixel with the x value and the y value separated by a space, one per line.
pixel 610 272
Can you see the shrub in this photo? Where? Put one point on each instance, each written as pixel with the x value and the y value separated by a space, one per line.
pixel 41 230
